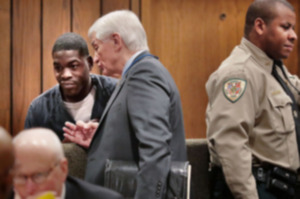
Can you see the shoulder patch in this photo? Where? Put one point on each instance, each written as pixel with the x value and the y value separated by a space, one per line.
pixel 234 89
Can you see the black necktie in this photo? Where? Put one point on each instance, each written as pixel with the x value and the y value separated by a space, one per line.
pixel 287 90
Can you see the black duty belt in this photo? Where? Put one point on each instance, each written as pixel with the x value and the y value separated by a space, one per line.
pixel 276 178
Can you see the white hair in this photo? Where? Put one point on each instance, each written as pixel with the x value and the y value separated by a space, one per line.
pixel 40 139
pixel 126 24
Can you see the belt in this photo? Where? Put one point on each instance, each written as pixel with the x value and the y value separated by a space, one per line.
pixel 276 178
pixel 260 174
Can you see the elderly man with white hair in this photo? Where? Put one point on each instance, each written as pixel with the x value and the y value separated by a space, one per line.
pixel 142 121
pixel 41 167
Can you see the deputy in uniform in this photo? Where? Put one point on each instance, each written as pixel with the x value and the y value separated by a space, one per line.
pixel 252 114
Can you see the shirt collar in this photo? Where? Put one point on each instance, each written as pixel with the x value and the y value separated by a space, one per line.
pixel 129 62
pixel 63 192
pixel 258 55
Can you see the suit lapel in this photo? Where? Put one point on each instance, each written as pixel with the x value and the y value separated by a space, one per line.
pixel 112 99
pixel 120 84
pixel 107 107
pixel 118 89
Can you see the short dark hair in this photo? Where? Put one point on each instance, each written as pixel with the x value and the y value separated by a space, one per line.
pixel 264 9
pixel 71 41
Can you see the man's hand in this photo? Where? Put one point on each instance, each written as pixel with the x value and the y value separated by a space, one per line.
pixel 82 133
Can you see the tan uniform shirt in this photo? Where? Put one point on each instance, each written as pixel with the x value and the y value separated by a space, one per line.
pixel 249 117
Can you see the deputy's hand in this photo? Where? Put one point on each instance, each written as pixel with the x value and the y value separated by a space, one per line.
pixel 82 133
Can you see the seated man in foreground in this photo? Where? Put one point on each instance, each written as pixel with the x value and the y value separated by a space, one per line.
pixel 42 167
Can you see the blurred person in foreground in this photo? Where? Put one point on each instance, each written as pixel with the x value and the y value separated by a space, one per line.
pixel 41 167
pixel 6 163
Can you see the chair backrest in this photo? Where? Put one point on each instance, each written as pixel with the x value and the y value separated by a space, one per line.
pixel 77 159
pixel 198 157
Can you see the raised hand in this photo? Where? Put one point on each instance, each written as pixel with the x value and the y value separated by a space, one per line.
pixel 82 133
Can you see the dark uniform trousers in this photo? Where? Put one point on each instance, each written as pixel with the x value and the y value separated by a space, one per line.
pixel 220 189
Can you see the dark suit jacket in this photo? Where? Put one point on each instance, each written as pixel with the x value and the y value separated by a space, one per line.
pixel 142 122
pixel 48 109
pixel 79 189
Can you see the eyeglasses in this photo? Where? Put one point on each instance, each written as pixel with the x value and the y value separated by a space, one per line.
pixel 37 178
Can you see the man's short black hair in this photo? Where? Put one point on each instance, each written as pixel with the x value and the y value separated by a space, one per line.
pixel 71 41
pixel 264 9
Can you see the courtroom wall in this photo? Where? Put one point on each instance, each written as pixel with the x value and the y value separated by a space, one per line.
pixel 191 38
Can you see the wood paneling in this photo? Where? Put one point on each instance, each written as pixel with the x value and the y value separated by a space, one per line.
pixel 26 58
pixel 5 86
pixel 56 21
pixel 85 13
pixel 111 5
pixel 293 61
pixel 192 37
pixel 135 6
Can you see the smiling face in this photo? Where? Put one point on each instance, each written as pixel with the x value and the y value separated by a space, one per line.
pixel 72 73
pixel 279 35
